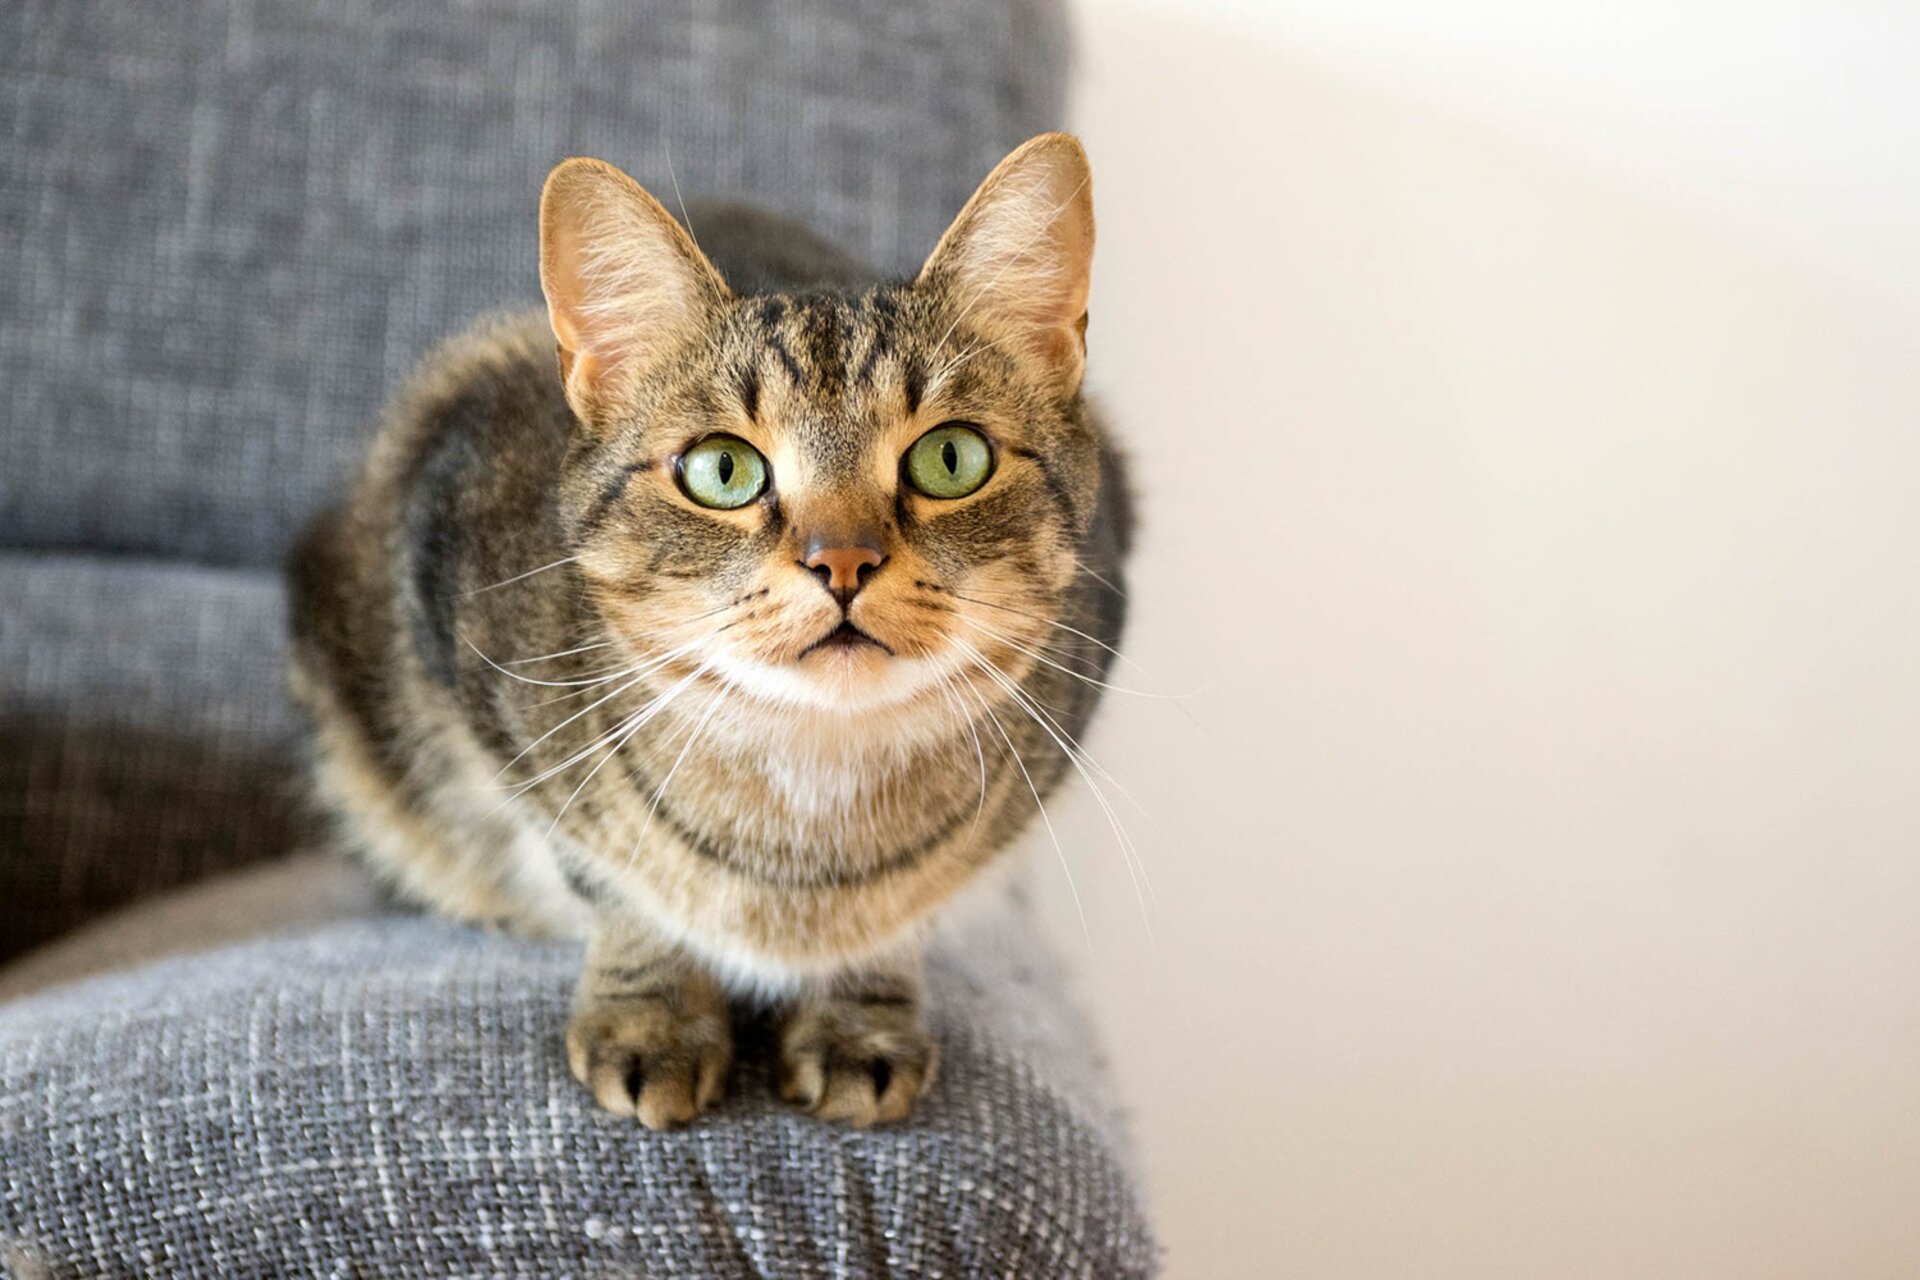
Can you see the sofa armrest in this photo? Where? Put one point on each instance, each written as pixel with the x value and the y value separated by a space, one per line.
pixel 387 1096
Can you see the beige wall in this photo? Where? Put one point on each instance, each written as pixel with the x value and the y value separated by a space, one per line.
pixel 1529 439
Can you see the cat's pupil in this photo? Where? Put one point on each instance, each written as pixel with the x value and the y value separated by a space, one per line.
pixel 726 468
pixel 950 457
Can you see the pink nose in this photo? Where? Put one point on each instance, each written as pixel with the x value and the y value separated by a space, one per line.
pixel 844 570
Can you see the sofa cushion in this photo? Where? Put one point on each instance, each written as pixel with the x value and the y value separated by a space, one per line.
pixel 388 1097
pixel 146 738
pixel 232 225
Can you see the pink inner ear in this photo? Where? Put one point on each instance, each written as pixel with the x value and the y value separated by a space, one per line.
pixel 621 278
pixel 1020 253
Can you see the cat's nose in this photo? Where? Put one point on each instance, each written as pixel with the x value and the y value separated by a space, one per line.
pixel 843 565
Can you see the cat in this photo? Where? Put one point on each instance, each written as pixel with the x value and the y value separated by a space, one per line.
pixel 741 637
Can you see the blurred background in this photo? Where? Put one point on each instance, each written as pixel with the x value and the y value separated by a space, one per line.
pixel 1526 403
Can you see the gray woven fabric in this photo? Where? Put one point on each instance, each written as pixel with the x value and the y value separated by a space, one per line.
pixel 145 734
pixel 230 226
pixel 388 1098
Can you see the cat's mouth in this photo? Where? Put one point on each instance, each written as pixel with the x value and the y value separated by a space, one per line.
pixel 845 636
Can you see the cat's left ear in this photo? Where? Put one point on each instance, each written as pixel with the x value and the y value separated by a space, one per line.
pixel 1018 260
pixel 625 283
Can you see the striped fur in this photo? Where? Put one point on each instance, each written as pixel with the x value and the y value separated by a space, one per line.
pixel 551 692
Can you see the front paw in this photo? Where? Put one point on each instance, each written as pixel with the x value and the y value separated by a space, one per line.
pixel 863 1063
pixel 661 1059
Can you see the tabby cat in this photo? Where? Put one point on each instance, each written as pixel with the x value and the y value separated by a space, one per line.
pixel 741 640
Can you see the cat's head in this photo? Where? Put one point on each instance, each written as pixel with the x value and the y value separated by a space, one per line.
pixel 829 499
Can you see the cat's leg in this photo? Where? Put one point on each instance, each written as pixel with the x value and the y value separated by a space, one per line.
pixel 651 1035
pixel 855 1049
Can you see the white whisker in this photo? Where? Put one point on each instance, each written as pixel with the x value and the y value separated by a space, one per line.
pixel 1034 617
pixel 549 657
pixel 1087 569
pixel 518 577
pixel 631 721
pixel 947 688
pixel 1037 656
pixel 634 725
pixel 653 807
pixel 1058 849
pixel 1136 869
pixel 640 676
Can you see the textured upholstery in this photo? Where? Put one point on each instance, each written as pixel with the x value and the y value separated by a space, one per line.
pixel 388 1098
pixel 231 225
pixel 145 734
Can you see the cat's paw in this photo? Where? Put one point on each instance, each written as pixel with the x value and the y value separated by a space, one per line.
pixel 661 1060
pixel 859 1063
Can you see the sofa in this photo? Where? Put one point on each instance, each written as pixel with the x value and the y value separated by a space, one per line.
pixel 230 226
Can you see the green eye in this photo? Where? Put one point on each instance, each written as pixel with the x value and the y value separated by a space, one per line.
pixel 950 461
pixel 723 472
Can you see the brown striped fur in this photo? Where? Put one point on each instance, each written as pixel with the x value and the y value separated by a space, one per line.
pixel 519 576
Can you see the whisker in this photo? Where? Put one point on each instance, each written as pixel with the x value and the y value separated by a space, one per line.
pixel 1136 870
pixel 594 678
pixel 646 713
pixel 686 648
pixel 1037 656
pixel 637 723
pixel 518 577
pixel 953 699
pixel 653 807
pixel 551 684
pixel 549 657
pixel 1034 617
pixel 679 199
pixel 1088 569
pixel 1045 819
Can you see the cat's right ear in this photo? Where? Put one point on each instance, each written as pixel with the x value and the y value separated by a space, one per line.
pixel 624 282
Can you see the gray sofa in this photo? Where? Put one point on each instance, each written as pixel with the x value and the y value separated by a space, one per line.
pixel 227 227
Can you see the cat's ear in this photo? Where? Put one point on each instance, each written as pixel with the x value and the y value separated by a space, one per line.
pixel 624 282
pixel 1018 259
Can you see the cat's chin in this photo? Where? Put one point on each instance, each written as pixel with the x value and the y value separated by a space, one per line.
pixel 840 677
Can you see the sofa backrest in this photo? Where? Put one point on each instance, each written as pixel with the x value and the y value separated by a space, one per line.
pixel 227 227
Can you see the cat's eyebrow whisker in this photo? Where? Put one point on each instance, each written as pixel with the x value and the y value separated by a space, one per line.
pixel 938 379
pixel 1129 853
pixel 681 200
pixel 507 582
